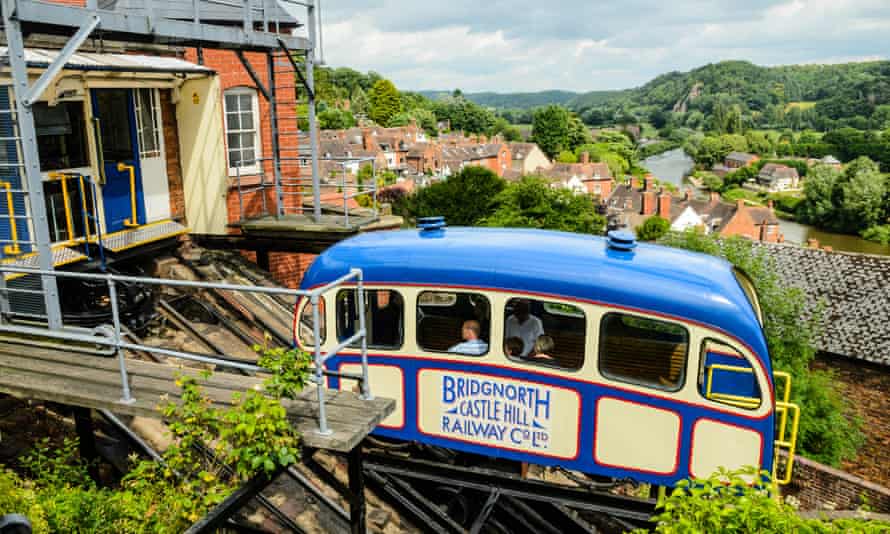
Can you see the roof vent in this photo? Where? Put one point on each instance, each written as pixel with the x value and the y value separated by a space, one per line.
pixel 622 240
pixel 427 224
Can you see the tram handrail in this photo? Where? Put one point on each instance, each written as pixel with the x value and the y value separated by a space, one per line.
pixel 111 335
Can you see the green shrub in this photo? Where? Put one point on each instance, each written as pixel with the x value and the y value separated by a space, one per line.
pixel 729 503
pixel 878 234
pixel 653 228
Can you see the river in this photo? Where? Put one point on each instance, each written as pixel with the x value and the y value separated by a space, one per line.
pixel 672 166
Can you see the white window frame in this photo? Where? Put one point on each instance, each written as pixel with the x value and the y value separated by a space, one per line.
pixel 154 106
pixel 245 170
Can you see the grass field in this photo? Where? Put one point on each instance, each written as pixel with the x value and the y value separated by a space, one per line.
pixel 803 106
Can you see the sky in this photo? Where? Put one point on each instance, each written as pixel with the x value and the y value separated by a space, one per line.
pixel 585 45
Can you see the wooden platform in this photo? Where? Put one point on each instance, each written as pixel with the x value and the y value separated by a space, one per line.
pixel 90 381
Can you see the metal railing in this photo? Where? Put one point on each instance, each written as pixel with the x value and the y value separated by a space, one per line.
pixel 111 336
pixel 284 187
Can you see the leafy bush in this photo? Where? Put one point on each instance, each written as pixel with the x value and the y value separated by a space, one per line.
pixel 463 199
pixel 251 436
pixel 532 203
pixel 879 234
pixel 829 430
pixel 728 503
pixel 653 228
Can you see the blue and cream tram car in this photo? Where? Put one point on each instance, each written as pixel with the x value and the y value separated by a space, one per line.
pixel 595 354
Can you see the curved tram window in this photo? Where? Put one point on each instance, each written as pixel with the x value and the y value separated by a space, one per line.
pixel 459 323
pixel 545 333
pixel 643 351
pixel 384 317
pixel 726 377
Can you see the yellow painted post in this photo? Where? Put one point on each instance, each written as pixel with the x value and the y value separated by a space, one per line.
pixel 12 249
pixel 133 221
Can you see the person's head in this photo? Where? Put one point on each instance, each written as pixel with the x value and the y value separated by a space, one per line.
pixel 513 346
pixel 544 344
pixel 470 330
pixel 521 309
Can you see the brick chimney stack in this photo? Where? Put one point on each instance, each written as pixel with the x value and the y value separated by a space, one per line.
pixel 648 202
pixel 664 205
pixel 715 197
pixel 585 157
pixel 650 183
pixel 688 195
pixel 368 140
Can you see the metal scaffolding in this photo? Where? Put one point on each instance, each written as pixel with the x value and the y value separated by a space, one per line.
pixel 193 23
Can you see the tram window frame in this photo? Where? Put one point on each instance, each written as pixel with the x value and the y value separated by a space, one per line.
pixel 484 333
pixel 552 308
pixel 369 294
pixel 702 374
pixel 603 333
pixel 306 313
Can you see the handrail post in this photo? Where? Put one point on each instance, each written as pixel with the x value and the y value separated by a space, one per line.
pixel 360 290
pixel 345 197
pixel 115 315
pixel 319 368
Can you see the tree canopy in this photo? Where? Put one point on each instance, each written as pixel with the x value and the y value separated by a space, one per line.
pixel 385 102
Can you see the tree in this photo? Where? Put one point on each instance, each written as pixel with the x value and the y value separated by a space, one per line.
pixel 550 130
pixel 861 198
pixel 532 203
pixel 385 102
pixel 463 199
pixel 653 228
pixel 335 119
pixel 818 205
pixel 566 157
pixel 358 101
pixel 711 181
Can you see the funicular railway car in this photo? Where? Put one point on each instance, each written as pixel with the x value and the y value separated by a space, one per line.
pixel 595 354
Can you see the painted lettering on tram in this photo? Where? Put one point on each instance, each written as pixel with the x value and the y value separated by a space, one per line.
pixel 501 412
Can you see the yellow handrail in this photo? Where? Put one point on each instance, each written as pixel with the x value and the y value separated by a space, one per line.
pixel 69 221
pixel 734 400
pixel 83 204
pixel 790 443
pixel 121 167
pixel 11 249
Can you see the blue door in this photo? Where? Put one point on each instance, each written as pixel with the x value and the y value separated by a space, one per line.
pixel 115 115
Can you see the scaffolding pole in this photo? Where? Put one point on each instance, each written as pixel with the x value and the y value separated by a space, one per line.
pixel 313 133
pixel 28 133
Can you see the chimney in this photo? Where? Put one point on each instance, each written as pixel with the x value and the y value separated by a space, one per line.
pixel 664 205
pixel 634 183
pixel 585 157
pixel 769 204
pixel 650 182
pixel 812 243
pixel 648 202
pixel 739 204
pixel 368 140
pixel 688 195
pixel 715 197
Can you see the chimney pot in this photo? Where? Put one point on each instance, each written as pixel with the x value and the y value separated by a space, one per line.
pixel 585 157
pixel 688 196
pixel 812 243
pixel 739 204
pixel 769 203
pixel 715 197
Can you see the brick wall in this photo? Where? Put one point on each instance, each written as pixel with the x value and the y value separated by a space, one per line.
pixel 818 486
pixel 171 152
pixel 287 268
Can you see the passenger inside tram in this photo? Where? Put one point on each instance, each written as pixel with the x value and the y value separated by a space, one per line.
pixel 524 325
pixel 471 344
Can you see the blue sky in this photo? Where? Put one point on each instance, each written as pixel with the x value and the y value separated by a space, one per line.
pixel 582 45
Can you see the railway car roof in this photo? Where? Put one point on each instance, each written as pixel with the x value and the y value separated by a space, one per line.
pixel 651 278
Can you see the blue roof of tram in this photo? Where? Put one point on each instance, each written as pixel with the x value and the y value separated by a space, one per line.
pixel 651 277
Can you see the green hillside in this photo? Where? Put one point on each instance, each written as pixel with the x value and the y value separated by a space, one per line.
pixel 510 100
pixel 832 95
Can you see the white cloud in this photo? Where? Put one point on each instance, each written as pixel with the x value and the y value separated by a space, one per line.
pixel 526 45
